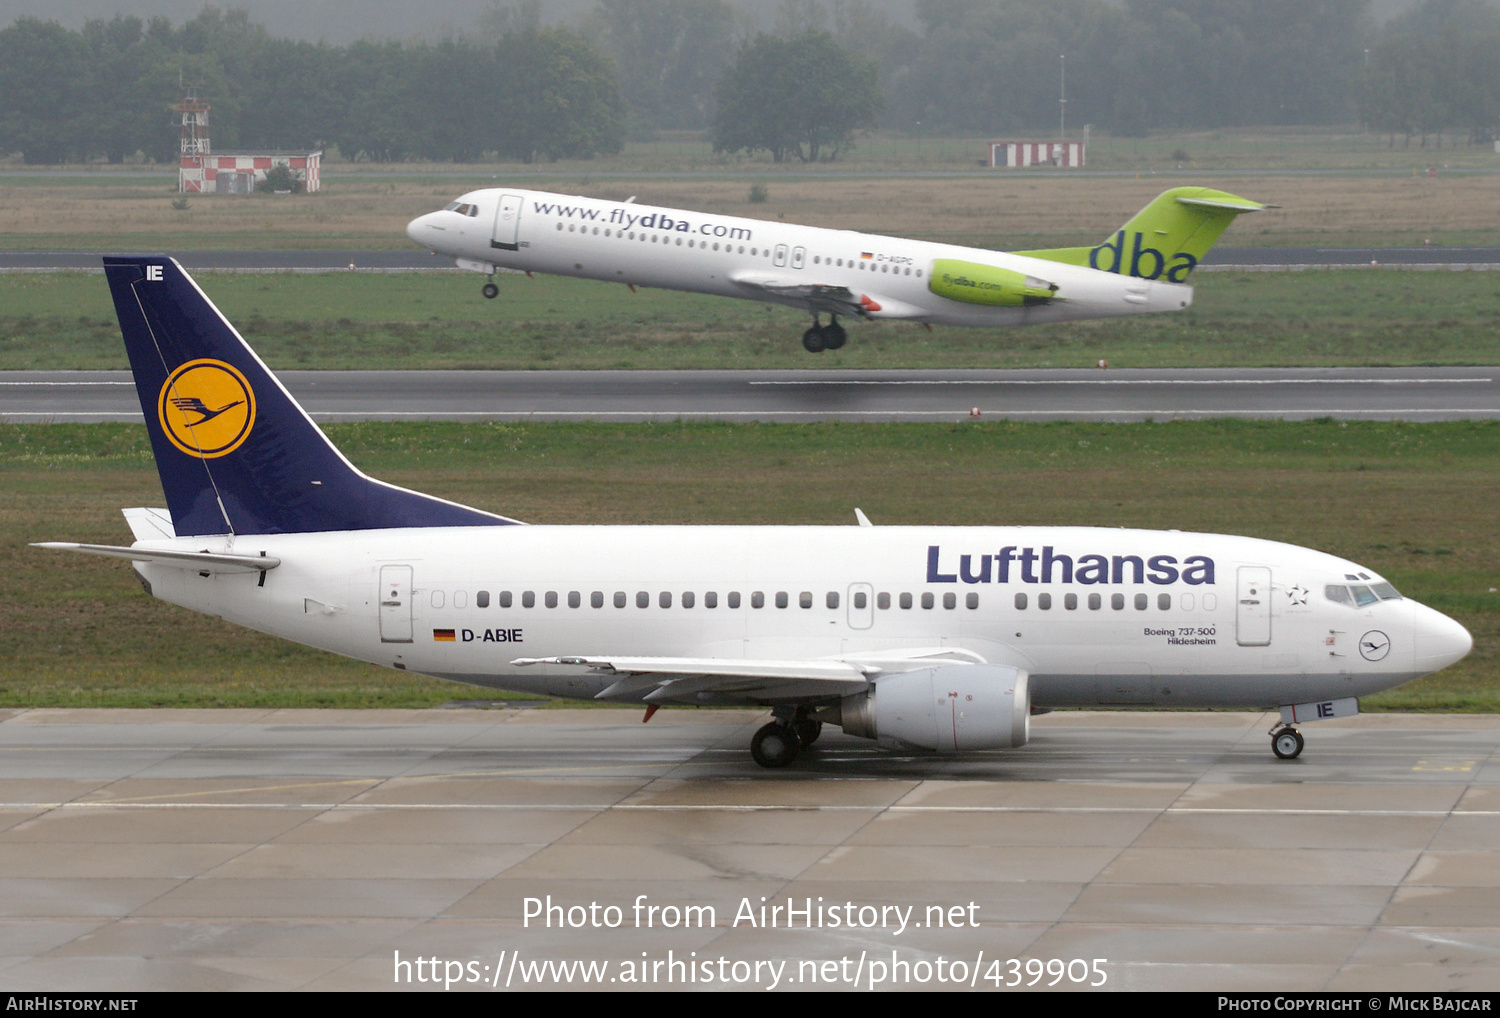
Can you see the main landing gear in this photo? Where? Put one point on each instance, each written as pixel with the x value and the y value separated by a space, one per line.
pixel 1286 742
pixel 824 337
pixel 778 743
pixel 491 290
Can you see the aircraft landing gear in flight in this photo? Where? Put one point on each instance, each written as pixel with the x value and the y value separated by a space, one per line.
pixel 1286 742
pixel 824 337
pixel 778 743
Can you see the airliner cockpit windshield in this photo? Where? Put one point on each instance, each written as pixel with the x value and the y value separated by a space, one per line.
pixel 462 208
pixel 1360 595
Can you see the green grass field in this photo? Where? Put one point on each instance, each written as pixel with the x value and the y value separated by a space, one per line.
pixel 355 320
pixel 1415 502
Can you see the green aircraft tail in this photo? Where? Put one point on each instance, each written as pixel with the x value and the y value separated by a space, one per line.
pixel 1164 240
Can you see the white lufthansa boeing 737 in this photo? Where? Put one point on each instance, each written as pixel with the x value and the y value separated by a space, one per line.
pixel 943 639
pixel 1141 267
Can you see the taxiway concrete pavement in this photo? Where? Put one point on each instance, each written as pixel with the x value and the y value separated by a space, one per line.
pixel 242 849
pixel 1415 394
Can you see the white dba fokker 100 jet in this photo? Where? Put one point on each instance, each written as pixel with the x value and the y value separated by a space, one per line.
pixel 1141 267
pixel 935 638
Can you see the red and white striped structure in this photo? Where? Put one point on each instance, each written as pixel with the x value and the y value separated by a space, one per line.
pixel 1037 153
pixel 239 172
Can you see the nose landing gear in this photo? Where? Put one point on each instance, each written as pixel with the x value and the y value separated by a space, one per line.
pixel 1286 742
pixel 824 337
pixel 491 290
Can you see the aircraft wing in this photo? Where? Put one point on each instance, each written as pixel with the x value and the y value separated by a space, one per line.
pixel 668 679
pixel 197 561
pixel 825 297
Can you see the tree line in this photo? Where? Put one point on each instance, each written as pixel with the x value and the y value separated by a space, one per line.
pixel 798 88
pixel 105 92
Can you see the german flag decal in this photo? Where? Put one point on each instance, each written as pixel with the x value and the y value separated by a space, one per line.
pixel 443 635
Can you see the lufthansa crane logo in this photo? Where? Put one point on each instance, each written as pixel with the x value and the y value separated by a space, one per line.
pixel 206 408
pixel 1374 645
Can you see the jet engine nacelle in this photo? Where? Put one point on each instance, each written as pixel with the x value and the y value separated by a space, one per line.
pixel 949 710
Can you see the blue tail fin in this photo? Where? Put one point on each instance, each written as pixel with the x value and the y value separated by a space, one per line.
pixel 235 452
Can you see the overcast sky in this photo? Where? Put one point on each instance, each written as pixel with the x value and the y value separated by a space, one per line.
pixel 343 21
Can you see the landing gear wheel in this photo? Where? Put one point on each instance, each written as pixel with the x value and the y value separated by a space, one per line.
pixel 491 290
pixel 812 340
pixel 834 336
pixel 775 745
pixel 1287 744
pixel 808 731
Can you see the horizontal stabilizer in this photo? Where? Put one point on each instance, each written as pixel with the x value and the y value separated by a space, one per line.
pixel 198 561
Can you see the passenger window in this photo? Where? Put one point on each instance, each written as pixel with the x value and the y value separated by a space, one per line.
pixel 664 599
pixel 574 599
pixel 905 600
pixel 1164 602
pixel 804 599
pixel 551 599
pixel 758 599
pixel 619 599
pixel 687 599
pixel 1210 602
pixel 597 599
pixel 1095 602
pixel 642 599
pixel 1044 602
pixel 832 600
pixel 437 598
pixel 781 599
pixel 950 601
pixel 711 599
pixel 505 599
pixel 460 599
pixel 860 600
pixel 883 601
pixel 482 599
pixel 1117 602
pixel 1141 602
pixel 1070 602
pixel 1020 602
pixel 528 599
pixel 734 599
pixel 1186 602
pixel 927 600
pixel 971 601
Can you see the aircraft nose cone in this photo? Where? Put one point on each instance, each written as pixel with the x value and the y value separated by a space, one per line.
pixel 1439 641
pixel 417 228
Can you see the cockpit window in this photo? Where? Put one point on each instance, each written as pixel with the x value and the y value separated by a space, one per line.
pixel 452 206
pixel 462 208
pixel 1357 596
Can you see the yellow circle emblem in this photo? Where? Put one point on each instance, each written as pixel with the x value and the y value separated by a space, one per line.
pixel 206 408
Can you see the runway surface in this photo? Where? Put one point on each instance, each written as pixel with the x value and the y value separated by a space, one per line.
pixel 245 849
pixel 416 260
pixel 1417 394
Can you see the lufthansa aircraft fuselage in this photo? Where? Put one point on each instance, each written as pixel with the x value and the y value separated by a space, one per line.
pixel 1094 616
pixel 942 639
